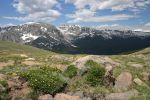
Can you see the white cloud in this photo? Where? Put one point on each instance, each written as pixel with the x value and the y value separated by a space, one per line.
pixel 147 24
pixel 114 5
pixel 36 10
pixel 83 13
pixel 86 9
pixel 83 3
pixel 48 16
pixel 32 6
pixel 45 10
pixel 89 16
pixel 119 5
pixel 123 27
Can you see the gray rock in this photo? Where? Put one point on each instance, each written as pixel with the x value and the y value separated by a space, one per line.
pixel 122 96
pixel 45 97
pixel 62 96
pixel 79 93
pixel 108 63
pixel 123 81
pixel 139 82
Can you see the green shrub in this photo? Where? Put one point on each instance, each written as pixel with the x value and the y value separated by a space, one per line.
pixel 3 59
pixel 4 94
pixel 46 80
pixel 90 63
pixel 34 95
pixel 17 60
pixel 4 83
pixel 95 74
pixel 71 71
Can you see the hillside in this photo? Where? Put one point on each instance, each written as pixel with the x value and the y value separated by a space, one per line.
pixel 10 47
pixel 28 73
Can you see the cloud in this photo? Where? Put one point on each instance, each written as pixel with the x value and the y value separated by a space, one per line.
pixel 32 6
pixel 89 16
pixel 79 4
pixel 83 13
pixel 123 27
pixel 119 5
pixel 147 24
pixel 114 5
pixel 86 9
pixel 36 10
pixel 48 16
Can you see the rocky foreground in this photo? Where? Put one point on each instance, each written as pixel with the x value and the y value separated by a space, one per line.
pixel 121 88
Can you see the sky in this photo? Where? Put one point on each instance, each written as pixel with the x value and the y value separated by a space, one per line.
pixel 132 14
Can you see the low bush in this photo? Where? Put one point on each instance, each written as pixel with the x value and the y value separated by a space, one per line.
pixel 4 95
pixel 46 80
pixel 71 71
pixel 95 74
pixel 4 83
pixel 90 63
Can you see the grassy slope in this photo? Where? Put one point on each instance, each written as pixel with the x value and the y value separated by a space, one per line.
pixel 144 51
pixel 10 48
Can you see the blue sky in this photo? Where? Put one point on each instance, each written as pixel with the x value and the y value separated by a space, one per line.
pixel 134 14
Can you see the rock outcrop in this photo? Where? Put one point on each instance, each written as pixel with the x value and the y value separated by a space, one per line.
pixel 123 81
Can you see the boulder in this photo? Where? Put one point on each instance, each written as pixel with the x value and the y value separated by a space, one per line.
pixel 123 81
pixel 139 82
pixel 45 97
pixel 104 60
pixel 62 96
pixel 79 93
pixel 122 96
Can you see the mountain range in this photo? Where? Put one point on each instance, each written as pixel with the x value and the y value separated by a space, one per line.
pixel 75 38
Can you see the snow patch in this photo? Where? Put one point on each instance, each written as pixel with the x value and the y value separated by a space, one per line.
pixel 43 29
pixel 28 37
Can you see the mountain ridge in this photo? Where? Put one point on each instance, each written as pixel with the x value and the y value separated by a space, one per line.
pixel 75 38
